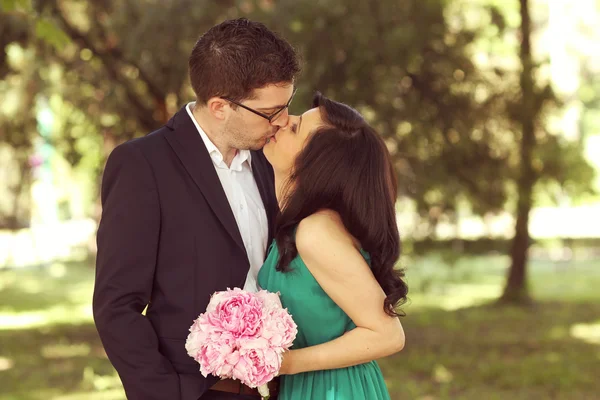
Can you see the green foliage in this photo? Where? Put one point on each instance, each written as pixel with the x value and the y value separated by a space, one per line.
pixel 408 66
pixel 42 28
pixel 14 5
pixel 416 86
pixel 48 31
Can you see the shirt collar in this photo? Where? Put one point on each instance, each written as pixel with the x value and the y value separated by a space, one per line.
pixel 215 155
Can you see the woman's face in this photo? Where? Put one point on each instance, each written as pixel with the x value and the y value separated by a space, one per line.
pixel 288 142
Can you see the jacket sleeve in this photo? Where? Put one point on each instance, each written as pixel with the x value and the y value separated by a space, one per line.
pixel 127 240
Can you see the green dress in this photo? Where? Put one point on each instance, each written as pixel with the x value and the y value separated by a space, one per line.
pixel 319 320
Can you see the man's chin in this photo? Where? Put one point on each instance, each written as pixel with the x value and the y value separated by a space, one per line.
pixel 258 146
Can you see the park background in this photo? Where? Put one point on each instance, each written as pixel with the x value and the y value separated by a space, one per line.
pixel 490 109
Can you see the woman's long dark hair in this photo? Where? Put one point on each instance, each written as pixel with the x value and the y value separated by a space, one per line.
pixel 346 167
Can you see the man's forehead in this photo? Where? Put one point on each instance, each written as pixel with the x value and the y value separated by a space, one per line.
pixel 274 95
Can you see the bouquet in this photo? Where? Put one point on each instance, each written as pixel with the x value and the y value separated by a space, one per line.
pixel 242 335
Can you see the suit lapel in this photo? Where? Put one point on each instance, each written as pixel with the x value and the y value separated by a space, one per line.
pixel 189 147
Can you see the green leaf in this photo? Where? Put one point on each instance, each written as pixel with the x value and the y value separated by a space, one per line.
pixel 8 5
pixel 52 34
pixel 12 5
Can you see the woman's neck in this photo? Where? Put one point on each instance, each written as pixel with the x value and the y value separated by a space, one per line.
pixel 281 180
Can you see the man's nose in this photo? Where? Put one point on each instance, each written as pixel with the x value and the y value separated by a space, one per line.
pixel 281 120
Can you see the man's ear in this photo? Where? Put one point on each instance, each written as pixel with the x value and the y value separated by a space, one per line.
pixel 218 107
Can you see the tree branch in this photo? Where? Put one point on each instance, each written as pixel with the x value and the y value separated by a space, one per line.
pixel 144 113
pixel 155 91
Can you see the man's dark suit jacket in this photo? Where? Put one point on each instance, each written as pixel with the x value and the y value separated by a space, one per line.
pixel 167 239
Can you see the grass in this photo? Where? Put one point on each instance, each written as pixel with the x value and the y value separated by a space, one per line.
pixel 458 345
pixel 49 348
pixel 486 352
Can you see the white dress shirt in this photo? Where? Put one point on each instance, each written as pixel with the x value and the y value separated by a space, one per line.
pixel 245 202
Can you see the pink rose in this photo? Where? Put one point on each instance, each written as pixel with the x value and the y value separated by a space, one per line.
pixel 258 363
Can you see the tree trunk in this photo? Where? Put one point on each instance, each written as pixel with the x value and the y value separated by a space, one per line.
pixel 18 218
pixel 516 289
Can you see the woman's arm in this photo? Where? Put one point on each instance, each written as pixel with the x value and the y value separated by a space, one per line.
pixel 331 256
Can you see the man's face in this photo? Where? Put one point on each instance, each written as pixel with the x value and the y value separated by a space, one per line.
pixel 247 130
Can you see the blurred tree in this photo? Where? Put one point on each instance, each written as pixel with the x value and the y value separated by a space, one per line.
pixel 527 113
pixel 414 84
pixel 542 158
pixel 124 79
pixel 462 134
pixel 24 34
pixel 409 70
pixel 137 72
pixel 42 28
pixel 19 84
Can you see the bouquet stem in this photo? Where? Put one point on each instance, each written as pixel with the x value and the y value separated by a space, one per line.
pixel 264 391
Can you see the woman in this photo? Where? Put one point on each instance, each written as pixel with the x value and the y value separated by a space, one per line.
pixel 334 252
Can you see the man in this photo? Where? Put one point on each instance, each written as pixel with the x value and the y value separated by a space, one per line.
pixel 188 210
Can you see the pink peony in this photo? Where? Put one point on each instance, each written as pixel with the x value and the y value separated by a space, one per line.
pixel 236 312
pixel 258 363
pixel 212 357
pixel 280 329
pixel 270 300
pixel 242 335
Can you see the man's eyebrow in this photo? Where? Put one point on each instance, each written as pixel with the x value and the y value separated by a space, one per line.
pixel 279 107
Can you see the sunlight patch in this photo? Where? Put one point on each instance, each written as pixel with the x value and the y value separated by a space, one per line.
pixel 589 333
pixel 441 374
pixel 52 316
pixel 22 320
pixel 65 350
pixel 6 363
pixel 57 270
pixel 457 296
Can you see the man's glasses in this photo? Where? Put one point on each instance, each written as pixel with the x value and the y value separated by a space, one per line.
pixel 269 118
